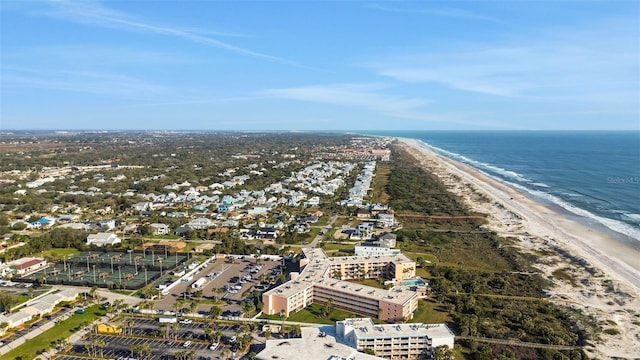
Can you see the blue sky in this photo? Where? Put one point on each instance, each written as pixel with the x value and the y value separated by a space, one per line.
pixel 306 65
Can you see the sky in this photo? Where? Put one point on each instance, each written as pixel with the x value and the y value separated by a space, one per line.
pixel 320 65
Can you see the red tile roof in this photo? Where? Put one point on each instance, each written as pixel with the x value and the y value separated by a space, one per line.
pixel 28 264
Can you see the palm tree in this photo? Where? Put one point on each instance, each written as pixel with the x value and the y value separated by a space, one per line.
pixel 166 328
pixel 215 311
pixel 193 305
pixel 119 304
pixel 145 351
pixel 87 348
pixel 217 335
pixel 175 326
pixel 177 305
pixel 130 324
pixel 92 292
pixel 225 353
pixel 101 344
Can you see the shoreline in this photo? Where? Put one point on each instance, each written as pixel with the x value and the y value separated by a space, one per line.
pixel 540 228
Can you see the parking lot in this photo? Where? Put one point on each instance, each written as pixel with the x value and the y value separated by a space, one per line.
pixel 221 285
pixel 153 333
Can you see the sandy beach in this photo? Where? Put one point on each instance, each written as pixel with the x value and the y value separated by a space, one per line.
pixel 605 273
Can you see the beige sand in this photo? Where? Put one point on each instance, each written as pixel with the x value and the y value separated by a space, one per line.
pixel 541 229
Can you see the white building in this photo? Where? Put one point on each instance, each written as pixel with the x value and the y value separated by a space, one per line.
pixel 363 250
pixel 159 229
pixel 394 341
pixel 28 265
pixel 102 239
pixel 315 344
pixel 200 223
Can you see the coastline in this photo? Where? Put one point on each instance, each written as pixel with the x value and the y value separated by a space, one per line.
pixel 606 288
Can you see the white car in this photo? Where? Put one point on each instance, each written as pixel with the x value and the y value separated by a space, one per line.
pixel 186 343
pixel 214 346
pixel 186 321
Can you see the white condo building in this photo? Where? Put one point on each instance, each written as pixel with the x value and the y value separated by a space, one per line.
pixel 394 341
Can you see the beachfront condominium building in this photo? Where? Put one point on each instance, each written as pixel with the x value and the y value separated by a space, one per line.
pixel 322 280
pixel 394 341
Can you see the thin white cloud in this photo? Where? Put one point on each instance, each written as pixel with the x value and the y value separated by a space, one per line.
pixel 95 14
pixel 436 11
pixel 572 65
pixel 366 96
pixel 95 55
pixel 80 81
pixel 372 98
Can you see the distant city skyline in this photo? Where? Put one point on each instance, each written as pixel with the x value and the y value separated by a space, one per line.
pixel 344 65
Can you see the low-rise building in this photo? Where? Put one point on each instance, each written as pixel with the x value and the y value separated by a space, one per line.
pixel 200 223
pixel 28 265
pixel 314 344
pixel 102 239
pixel 159 229
pixel 321 280
pixel 394 341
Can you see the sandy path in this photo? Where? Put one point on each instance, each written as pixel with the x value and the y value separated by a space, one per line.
pixel 611 295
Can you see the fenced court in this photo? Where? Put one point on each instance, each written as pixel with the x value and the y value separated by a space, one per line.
pixel 108 269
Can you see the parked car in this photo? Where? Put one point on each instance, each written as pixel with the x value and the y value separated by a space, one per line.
pixel 186 343
pixel 186 321
pixel 214 346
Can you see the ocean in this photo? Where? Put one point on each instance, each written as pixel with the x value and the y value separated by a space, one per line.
pixel 590 176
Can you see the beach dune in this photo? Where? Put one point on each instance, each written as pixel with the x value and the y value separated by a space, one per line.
pixel 606 271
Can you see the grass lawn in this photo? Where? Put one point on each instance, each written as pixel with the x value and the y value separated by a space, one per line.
pixel 313 314
pixel 427 257
pixel 324 220
pixel 62 330
pixel 58 253
pixel 430 312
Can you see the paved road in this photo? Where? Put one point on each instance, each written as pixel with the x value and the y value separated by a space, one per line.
pixel 325 228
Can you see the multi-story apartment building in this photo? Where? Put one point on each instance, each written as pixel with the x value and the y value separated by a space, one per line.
pixel 321 280
pixel 394 341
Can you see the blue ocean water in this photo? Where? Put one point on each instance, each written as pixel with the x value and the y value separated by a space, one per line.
pixel 592 177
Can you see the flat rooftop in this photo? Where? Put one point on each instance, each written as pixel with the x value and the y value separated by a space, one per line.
pixel 316 272
pixel 366 329
pixel 312 346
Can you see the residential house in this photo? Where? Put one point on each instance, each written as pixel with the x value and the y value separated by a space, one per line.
pixel 103 238
pixel 43 223
pixel 159 229
pixel 386 219
pixel 267 233
pixel 363 213
pixel 200 223
pixel 183 230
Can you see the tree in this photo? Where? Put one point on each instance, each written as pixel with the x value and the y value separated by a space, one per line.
pixel 443 352
pixel 326 309
pixel 215 311
pixel 225 353
pixel 193 305
pixel 7 300
pixel 92 292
